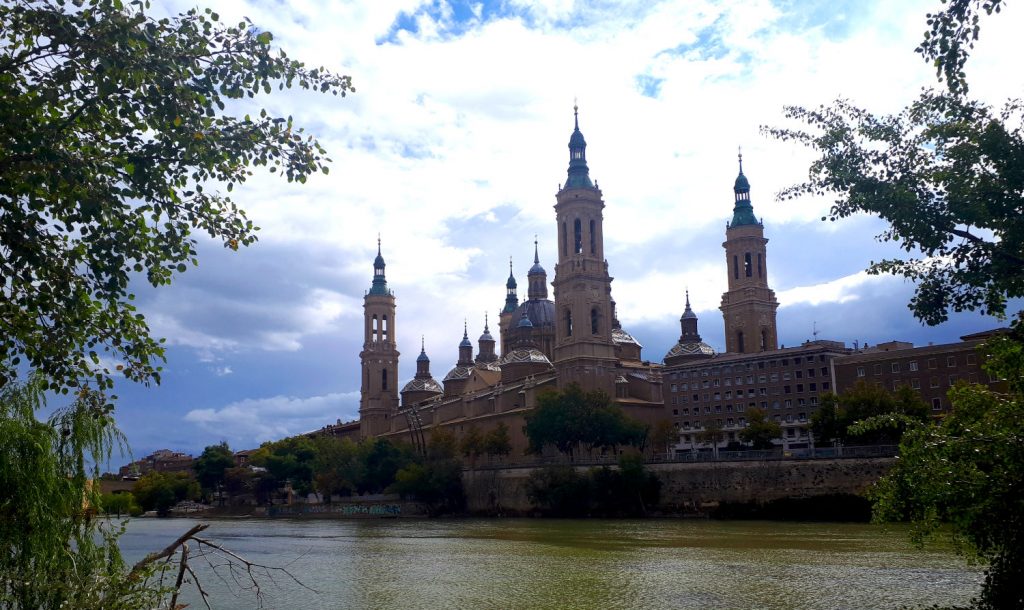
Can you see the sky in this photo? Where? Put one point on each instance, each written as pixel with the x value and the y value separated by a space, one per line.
pixel 452 150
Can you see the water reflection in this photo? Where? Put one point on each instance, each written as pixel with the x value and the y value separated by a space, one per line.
pixel 579 564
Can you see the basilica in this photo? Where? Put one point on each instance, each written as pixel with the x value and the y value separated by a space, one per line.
pixel 548 342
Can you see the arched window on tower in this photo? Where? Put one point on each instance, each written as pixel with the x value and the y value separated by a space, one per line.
pixel 739 342
pixel 760 266
pixel 764 339
pixel 735 267
pixel 593 237
pixel 593 321
pixel 374 329
pixel 384 379
pixel 384 328
pixel 747 268
pixel 577 228
pixel 565 241
pixel 568 323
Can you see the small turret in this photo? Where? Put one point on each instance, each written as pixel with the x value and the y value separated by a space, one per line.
pixel 486 343
pixel 511 299
pixel 465 347
pixel 423 385
pixel 537 278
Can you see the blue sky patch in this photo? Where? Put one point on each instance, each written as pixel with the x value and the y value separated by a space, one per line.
pixel 649 85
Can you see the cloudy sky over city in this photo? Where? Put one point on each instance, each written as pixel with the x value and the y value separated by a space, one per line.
pixel 452 150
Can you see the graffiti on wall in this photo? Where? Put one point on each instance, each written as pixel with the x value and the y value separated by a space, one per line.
pixel 346 510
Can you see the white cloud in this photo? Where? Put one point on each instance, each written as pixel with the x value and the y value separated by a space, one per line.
pixel 841 290
pixel 262 419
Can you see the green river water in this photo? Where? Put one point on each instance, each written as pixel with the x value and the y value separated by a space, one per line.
pixel 523 563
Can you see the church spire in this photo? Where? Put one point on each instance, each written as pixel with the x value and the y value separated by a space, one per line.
pixel 537 277
pixel 742 212
pixel 380 284
pixel 511 299
pixel 579 173
pixel 688 324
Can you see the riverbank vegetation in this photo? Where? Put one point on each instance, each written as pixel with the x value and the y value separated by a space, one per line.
pixel 563 491
pixel 833 420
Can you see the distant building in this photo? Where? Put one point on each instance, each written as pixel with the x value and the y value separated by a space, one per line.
pixel 161 460
pixel 930 369
pixel 718 390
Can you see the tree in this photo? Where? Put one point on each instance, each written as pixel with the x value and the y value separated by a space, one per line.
pixel 711 435
pixel 946 173
pixel 664 435
pixel 211 465
pixel 471 444
pixel 383 459
pixel 497 441
pixel 113 137
pixel 338 467
pixel 760 430
pixel 288 460
pixel 160 491
pixel 573 418
pixel 968 472
pixel 950 31
pixel 832 421
pixel 53 553
pixel 120 504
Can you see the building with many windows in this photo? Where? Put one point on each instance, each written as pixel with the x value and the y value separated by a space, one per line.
pixel 930 369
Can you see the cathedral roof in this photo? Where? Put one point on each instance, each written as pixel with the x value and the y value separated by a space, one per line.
pixel 524 321
pixel 459 371
pixel 525 354
pixel 620 336
pixel 690 348
pixel 488 366
pixel 465 337
pixel 541 312
pixel 423 385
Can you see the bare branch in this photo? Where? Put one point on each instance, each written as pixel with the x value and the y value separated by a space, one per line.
pixel 181 574
pixel 169 549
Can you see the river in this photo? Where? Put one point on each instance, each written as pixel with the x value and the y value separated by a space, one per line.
pixel 523 563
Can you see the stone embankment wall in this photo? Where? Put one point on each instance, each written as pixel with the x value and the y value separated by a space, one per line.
pixel 700 487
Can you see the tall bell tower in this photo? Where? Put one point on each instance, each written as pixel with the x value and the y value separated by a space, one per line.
pixel 583 351
pixel 378 399
pixel 749 305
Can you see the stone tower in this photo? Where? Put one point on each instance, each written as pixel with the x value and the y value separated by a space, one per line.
pixel 748 307
pixel 584 351
pixel 506 321
pixel 378 399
